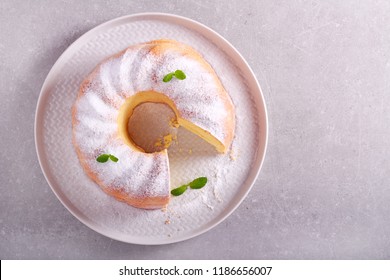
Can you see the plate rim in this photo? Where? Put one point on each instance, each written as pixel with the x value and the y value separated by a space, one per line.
pixel 257 163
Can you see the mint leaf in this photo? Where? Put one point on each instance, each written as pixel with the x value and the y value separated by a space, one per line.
pixel 105 157
pixel 195 184
pixel 114 158
pixel 168 77
pixel 180 75
pixel 179 191
pixel 198 183
pixel 102 158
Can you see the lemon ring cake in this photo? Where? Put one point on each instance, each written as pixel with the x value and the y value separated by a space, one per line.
pixel 107 98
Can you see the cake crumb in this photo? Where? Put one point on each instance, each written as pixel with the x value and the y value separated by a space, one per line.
pixel 158 143
pixel 217 196
pixel 165 141
pixel 174 123
pixel 168 140
pixel 190 151
pixel 167 222
pixel 232 155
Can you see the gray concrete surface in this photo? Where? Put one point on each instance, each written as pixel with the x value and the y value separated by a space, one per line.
pixel 324 190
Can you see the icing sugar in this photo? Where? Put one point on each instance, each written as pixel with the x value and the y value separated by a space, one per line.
pixel 137 69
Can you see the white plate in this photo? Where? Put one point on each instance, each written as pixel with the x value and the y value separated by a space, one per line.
pixel 230 176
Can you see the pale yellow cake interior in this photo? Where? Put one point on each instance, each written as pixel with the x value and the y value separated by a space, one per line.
pixel 128 107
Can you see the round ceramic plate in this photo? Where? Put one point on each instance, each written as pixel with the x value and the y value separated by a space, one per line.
pixel 230 176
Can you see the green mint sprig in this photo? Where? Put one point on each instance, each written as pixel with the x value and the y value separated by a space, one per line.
pixel 105 157
pixel 196 184
pixel 179 191
pixel 178 74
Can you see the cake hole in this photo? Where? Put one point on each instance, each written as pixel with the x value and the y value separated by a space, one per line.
pixel 153 127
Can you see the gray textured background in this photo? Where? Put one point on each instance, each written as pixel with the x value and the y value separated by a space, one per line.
pixel 324 190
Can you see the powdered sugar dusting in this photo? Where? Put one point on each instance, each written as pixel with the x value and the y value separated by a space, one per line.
pixel 139 69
